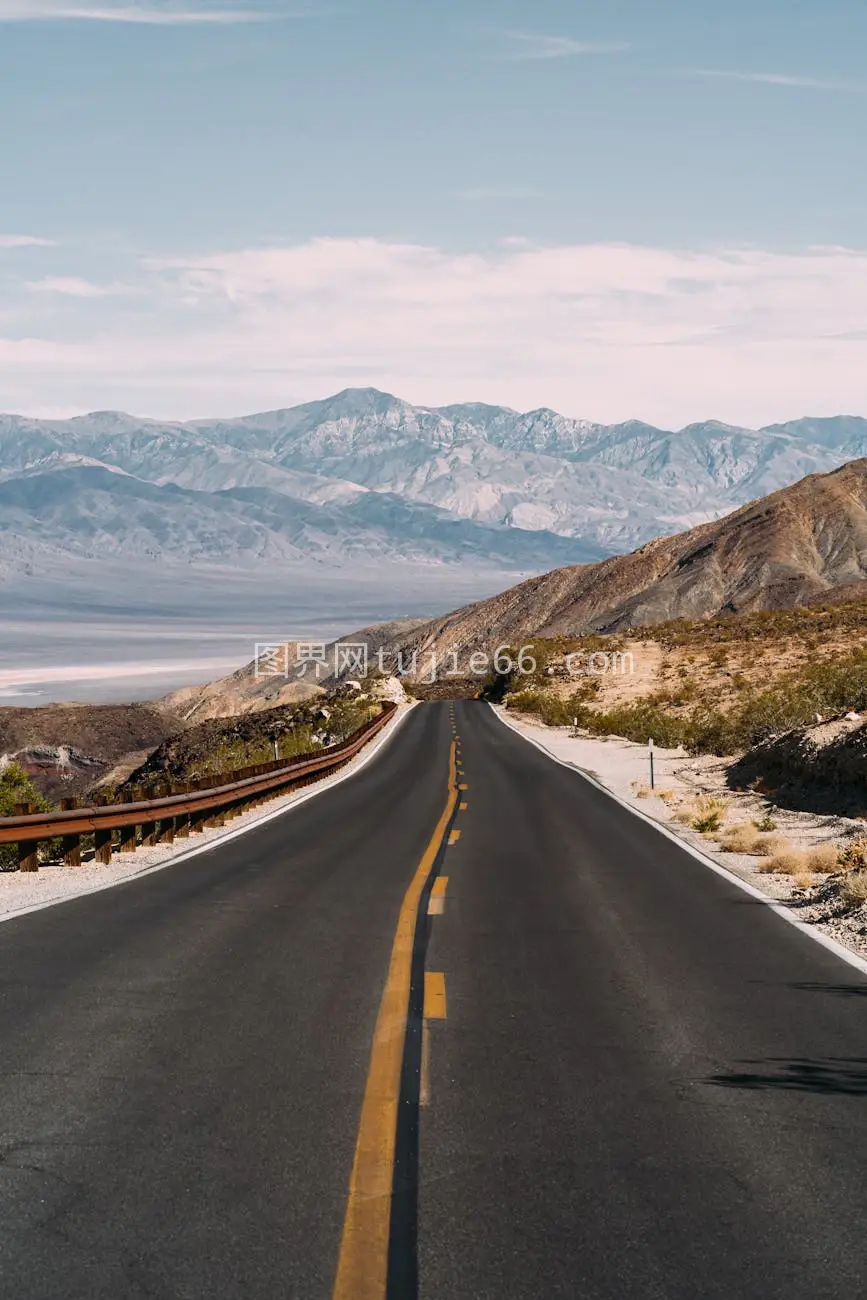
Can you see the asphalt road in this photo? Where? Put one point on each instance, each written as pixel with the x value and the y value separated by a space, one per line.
pixel 645 1085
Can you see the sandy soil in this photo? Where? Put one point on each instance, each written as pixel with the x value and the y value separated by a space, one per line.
pixel 718 673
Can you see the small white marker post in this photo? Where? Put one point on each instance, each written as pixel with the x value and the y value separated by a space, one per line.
pixel 276 754
pixel 650 753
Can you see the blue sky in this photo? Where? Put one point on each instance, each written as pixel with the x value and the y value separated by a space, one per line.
pixel 205 178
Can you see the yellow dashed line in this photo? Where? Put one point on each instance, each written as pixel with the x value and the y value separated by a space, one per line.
pixel 362 1268
pixel 434 995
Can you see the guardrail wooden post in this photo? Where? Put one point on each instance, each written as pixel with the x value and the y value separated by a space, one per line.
pixel 28 850
pixel 182 821
pixel 70 845
pixel 164 826
pixel 166 830
pixel 148 828
pixel 197 819
pixel 101 838
pixel 126 837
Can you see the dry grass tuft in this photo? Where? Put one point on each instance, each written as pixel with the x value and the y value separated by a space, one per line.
pixel 739 838
pixel 667 796
pixel 786 861
pixel 800 863
pixel 767 845
pixel 642 792
pixel 853 888
pixel 803 880
pixel 822 858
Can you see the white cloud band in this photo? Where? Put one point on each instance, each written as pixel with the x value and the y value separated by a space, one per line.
pixel 607 331
pixel 24 241
pixel 21 11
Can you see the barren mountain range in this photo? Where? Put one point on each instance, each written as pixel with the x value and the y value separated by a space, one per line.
pixel 800 544
pixel 783 550
pixel 363 476
pixel 787 549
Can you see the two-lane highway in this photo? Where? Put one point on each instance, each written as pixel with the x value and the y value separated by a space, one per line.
pixel 593 1067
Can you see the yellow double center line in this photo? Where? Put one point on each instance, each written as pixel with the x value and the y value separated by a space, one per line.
pixel 362 1268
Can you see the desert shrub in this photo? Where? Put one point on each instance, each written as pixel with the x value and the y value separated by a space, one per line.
pixel 853 856
pixel 639 722
pixel 793 701
pixel 680 716
pixel 552 710
pixel 16 787
pixel 709 814
pixel 765 823
pixel 825 688
pixel 229 755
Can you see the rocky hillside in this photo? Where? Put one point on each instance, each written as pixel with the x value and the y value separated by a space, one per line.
pixel 286 731
pixel 66 748
pixel 785 550
pixel 822 767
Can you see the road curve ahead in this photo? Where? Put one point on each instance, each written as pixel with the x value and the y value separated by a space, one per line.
pixel 460 1026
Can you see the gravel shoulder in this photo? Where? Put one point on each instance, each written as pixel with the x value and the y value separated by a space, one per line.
pixel 55 883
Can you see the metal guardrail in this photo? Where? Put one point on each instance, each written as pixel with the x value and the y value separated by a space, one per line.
pixel 187 809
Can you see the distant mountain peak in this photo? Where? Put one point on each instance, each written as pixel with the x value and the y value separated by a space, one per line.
pixel 602 488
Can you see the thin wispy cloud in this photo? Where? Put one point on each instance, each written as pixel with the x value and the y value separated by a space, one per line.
pixel 519 46
pixel 23 11
pixel 72 287
pixel 25 241
pixel 780 79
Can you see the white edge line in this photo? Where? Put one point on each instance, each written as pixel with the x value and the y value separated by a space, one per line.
pixel 327 783
pixel 845 954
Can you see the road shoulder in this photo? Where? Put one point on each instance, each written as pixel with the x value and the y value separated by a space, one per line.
pixel 611 764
